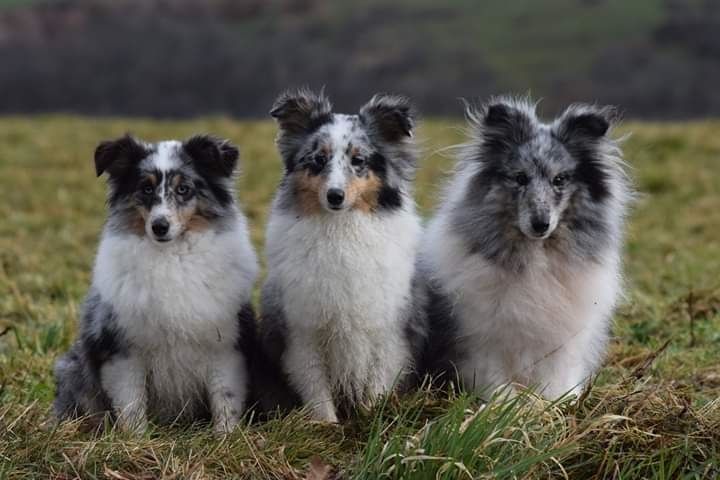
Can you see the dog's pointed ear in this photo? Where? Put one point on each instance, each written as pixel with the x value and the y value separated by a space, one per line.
pixel 505 124
pixel 212 156
pixel 116 156
pixel 298 113
pixel 581 123
pixel 390 117
pixel 301 111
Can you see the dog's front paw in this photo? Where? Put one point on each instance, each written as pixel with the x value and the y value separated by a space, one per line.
pixel 325 412
pixel 134 424
pixel 225 425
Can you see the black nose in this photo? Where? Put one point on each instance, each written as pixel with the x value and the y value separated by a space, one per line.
pixel 540 225
pixel 160 227
pixel 335 197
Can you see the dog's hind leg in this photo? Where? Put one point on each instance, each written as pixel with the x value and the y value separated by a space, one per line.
pixel 78 393
pixel 70 387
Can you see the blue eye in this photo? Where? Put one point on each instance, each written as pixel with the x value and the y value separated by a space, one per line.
pixel 148 190
pixel 182 190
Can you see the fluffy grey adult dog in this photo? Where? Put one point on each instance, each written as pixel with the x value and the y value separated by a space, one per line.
pixel 523 258
pixel 341 247
pixel 168 311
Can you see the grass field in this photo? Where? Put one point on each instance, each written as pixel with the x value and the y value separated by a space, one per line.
pixel 652 412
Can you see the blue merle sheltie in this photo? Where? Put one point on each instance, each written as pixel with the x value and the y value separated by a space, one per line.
pixel 341 246
pixel 523 257
pixel 168 309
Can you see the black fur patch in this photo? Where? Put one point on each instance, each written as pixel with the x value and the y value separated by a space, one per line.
pixel 120 159
pixel 100 348
pixel 589 125
pixel 440 353
pixel 299 113
pixel 591 172
pixel 505 128
pixel 247 330
pixel 390 117
pixel 101 338
pixel 580 132
pixel 214 160
pixel 117 156
pixel 389 198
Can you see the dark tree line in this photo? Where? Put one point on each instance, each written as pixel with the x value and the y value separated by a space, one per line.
pixel 181 58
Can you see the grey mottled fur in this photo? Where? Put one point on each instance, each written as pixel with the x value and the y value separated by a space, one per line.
pixel 507 139
pixel 381 126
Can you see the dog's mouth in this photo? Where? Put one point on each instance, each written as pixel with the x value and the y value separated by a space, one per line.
pixel 530 234
pixel 538 236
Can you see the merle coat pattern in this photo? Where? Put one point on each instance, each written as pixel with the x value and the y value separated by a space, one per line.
pixel 167 316
pixel 523 257
pixel 341 245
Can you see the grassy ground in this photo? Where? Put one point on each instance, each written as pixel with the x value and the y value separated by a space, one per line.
pixel 653 411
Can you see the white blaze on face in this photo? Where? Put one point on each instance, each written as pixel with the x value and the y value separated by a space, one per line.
pixel 338 171
pixel 167 156
pixel 165 159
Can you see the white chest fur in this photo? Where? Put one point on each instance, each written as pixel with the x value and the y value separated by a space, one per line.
pixel 188 291
pixel 350 271
pixel 523 327
pixel 345 280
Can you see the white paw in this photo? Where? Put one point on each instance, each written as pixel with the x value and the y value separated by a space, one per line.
pixel 136 424
pixel 325 412
pixel 225 425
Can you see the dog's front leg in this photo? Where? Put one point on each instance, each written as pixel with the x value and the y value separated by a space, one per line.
pixel 391 365
pixel 227 388
pixel 305 369
pixel 123 379
pixel 563 373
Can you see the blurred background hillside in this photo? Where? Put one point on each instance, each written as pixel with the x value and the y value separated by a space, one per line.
pixel 659 59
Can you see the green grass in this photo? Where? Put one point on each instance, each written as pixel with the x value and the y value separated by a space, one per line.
pixel 653 410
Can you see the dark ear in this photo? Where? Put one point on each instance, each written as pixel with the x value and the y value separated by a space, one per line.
pixel 585 123
pixel 117 156
pixel 301 111
pixel 505 125
pixel 298 113
pixel 390 117
pixel 211 155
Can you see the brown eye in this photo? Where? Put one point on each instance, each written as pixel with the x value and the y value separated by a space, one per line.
pixel 522 179
pixel 357 161
pixel 320 160
pixel 560 180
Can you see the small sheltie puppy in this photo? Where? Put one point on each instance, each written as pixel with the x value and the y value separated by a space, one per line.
pixel 523 258
pixel 341 248
pixel 169 305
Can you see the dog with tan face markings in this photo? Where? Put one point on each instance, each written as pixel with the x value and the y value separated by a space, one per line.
pixel 341 241
pixel 167 323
